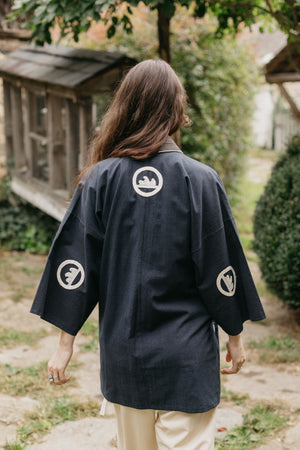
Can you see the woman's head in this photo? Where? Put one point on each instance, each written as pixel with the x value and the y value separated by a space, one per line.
pixel 148 106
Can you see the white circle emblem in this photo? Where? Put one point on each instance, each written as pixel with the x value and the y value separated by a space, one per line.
pixel 147 181
pixel 226 281
pixel 70 274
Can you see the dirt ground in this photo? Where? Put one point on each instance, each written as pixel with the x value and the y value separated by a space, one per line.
pixel 261 381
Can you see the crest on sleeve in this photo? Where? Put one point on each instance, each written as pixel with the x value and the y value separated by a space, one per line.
pixel 147 181
pixel 226 281
pixel 70 274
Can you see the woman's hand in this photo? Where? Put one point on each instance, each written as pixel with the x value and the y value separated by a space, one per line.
pixel 59 361
pixel 235 353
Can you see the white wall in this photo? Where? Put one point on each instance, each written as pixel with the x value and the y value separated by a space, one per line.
pixel 263 117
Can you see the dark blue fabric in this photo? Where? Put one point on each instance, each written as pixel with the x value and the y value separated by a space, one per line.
pixel 159 251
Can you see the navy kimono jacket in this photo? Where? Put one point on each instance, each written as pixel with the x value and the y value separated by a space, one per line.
pixel 155 244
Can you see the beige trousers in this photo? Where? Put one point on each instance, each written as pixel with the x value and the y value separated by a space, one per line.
pixel 146 429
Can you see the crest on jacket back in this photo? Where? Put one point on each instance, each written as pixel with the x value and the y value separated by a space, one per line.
pixel 147 181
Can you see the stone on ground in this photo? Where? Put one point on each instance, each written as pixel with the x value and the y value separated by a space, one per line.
pixel 289 441
pixel 24 355
pixel 86 434
pixel 11 415
pixel 266 383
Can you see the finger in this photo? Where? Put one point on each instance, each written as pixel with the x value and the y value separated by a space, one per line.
pixel 50 377
pixel 50 374
pixel 62 377
pixel 228 356
pixel 56 377
pixel 231 370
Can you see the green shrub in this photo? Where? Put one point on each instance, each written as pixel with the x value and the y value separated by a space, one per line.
pixel 218 75
pixel 23 227
pixel 277 227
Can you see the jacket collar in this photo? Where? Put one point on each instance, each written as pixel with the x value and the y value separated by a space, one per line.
pixel 169 146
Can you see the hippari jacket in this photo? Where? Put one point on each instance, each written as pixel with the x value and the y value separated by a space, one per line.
pixel 154 243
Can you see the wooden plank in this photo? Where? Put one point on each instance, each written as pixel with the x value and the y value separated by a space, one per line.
pixel 40 138
pixel 85 129
pixel 60 91
pixel 32 139
pixel 28 113
pixel 17 127
pixel 282 77
pixel 8 125
pixel 72 144
pixel 72 52
pixel 14 33
pixel 291 102
pixel 105 81
pixel 56 152
pixel 37 193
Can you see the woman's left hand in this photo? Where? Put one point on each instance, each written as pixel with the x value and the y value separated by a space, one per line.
pixel 60 360
pixel 235 354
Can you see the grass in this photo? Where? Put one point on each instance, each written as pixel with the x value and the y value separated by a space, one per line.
pixel 53 412
pixel 11 338
pixel 32 270
pixel 274 350
pixel 31 380
pixel 90 329
pixel 13 446
pixel 20 273
pixel 250 192
pixel 261 422
pixel 233 397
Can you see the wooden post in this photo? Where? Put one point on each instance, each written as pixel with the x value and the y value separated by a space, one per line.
pixel 17 126
pixel 56 153
pixel 72 144
pixel 85 129
pixel 8 125
pixel 30 145
pixel 291 102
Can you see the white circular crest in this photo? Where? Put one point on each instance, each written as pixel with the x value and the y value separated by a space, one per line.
pixel 68 272
pixel 147 185
pixel 226 281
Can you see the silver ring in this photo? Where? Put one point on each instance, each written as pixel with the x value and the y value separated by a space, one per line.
pixel 51 378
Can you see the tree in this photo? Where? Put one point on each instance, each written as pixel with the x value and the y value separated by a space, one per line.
pixel 76 16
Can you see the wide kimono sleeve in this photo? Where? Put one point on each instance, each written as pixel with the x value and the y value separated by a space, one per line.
pixel 223 277
pixel 69 287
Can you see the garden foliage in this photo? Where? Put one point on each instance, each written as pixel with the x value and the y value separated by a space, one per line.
pixel 23 227
pixel 277 227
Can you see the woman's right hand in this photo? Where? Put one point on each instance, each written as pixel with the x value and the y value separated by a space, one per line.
pixel 60 359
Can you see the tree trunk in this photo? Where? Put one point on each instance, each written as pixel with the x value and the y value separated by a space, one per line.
pixel 164 48
pixel 163 35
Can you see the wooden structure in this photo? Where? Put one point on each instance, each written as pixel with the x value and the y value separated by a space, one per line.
pixel 12 35
pixel 285 68
pixel 53 97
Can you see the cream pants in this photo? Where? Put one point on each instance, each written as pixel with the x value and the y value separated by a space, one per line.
pixel 146 429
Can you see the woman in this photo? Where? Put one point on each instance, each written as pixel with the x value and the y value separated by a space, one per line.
pixel 149 234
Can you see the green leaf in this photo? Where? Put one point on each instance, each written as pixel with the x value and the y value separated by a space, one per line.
pixel 111 31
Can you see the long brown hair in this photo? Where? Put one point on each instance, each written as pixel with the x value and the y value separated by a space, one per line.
pixel 148 106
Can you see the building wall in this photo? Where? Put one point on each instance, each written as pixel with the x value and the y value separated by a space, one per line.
pixel 273 122
pixel 263 117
